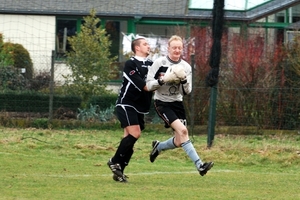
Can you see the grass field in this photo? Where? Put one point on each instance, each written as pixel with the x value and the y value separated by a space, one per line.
pixel 71 164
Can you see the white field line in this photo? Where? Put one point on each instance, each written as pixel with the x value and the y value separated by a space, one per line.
pixel 153 173
pixel 129 174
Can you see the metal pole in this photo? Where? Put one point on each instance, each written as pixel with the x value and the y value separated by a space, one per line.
pixel 51 87
pixel 212 116
pixel 215 57
pixel 193 95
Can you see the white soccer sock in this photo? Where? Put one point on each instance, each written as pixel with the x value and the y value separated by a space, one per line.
pixel 168 144
pixel 191 152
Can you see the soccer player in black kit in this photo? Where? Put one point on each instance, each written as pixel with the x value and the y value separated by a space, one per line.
pixel 133 103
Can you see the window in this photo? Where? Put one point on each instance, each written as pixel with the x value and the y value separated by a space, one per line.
pixel 65 28
pixel 113 30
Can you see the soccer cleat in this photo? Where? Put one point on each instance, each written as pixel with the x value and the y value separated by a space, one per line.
pixel 115 168
pixel 154 153
pixel 205 167
pixel 122 179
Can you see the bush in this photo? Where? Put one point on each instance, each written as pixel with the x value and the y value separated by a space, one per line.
pixel 11 79
pixel 5 55
pixel 40 81
pixel 21 58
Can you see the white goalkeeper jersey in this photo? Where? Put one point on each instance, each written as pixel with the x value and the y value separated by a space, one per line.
pixel 168 92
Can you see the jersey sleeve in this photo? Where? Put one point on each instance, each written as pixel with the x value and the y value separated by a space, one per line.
pixel 153 74
pixel 131 73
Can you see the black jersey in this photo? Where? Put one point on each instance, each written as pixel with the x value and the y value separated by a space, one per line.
pixel 134 80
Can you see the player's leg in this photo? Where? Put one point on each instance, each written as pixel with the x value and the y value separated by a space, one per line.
pixel 127 116
pixel 182 138
pixel 165 112
pixel 136 132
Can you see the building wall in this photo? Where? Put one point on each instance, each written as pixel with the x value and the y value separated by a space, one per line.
pixel 35 33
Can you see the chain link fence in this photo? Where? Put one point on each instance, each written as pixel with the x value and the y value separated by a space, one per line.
pixel 268 99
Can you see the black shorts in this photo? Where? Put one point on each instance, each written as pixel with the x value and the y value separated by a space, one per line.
pixel 170 111
pixel 128 116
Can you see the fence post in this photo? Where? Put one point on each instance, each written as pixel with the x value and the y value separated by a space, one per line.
pixel 192 113
pixel 51 86
pixel 212 116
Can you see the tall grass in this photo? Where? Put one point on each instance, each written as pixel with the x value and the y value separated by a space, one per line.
pixel 71 164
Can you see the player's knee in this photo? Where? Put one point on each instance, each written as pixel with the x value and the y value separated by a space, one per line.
pixel 136 134
pixel 184 131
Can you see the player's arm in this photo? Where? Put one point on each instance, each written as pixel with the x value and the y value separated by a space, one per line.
pixel 132 75
pixel 146 89
pixel 185 86
pixel 154 79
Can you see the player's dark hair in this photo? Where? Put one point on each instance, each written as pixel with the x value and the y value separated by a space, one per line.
pixel 136 42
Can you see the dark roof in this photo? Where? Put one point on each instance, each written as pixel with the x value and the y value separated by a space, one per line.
pixel 127 8
pixel 146 9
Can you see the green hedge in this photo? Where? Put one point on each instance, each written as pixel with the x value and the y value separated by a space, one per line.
pixel 36 102
pixel 103 102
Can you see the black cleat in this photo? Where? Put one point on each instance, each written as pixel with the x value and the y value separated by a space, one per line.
pixel 122 179
pixel 205 167
pixel 154 153
pixel 115 168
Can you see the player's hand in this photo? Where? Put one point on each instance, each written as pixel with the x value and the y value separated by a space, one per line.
pixel 179 72
pixel 170 76
pixel 183 80
pixel 160 81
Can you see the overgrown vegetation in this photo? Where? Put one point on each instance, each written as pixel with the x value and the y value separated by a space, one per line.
pixel 258 83
pixel 95 114
pixel 40 81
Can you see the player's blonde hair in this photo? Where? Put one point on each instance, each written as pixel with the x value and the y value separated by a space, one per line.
pixel 173 38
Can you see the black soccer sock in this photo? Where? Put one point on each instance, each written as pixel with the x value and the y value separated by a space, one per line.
pixel 126 160
pixel 126 145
